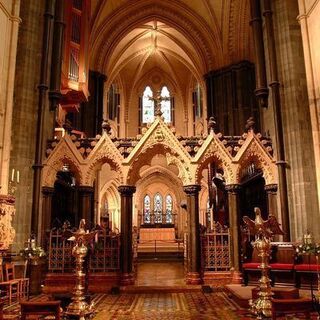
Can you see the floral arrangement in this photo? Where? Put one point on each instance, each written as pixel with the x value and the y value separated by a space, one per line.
pixel 308 246
pixel 32 251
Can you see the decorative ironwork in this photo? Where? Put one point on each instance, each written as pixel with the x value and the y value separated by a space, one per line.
pixel 105 256
pixel 215 248
pixel 106 253
pixel 60 251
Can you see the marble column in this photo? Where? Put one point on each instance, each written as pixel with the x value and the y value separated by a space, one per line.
pixel 126 254
pixel 47 193
pixel 234 219
pixel 194 249
pixel 86 205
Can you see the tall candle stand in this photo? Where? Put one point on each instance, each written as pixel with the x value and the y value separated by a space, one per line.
pixel 79 308
pixel 264 230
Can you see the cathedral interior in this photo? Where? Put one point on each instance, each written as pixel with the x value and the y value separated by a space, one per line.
pixel 159 159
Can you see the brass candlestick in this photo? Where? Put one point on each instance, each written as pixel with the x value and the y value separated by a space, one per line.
pixel 79 308
pixel 264 230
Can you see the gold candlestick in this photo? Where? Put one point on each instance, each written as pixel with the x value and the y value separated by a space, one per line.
pixel 79 308
pixel 264 230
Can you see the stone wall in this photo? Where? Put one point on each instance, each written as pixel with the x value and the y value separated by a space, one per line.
pixel 301 177
pixel 25 111
pixel 9 23
pixel 310 28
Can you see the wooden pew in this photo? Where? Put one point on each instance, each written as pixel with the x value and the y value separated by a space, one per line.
pixel 282 265
pixel 306 270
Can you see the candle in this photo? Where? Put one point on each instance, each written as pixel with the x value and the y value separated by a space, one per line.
pixel 18 176
pixel 12 175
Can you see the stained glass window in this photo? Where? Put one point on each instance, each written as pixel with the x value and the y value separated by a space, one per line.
pixel 146 209
pixel 166 105
pixel 147 106
pixel 157 207
pixel 168 209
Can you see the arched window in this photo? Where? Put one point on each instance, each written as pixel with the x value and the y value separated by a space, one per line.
pixel 147 106
pixel 168 209
pixel 166 104
pixel 157 207
pixel 146 209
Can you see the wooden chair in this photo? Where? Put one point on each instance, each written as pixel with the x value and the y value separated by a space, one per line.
pixel 23 282
pixel 9 289
pixel 40 308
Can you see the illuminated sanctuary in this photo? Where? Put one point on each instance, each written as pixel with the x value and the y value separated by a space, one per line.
pixel 146 145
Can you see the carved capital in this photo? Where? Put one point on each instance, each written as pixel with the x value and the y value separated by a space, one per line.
pixel 233 188
pixel 192 190
pixel 271 188
pixel 7 211
pixel 127 190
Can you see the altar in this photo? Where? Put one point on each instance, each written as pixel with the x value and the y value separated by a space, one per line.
pixel 166 234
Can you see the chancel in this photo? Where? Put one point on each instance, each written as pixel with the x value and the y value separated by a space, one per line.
pixel 138 137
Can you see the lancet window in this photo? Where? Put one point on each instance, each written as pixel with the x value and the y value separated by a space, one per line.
pixel 166 105
pixel 168 209
pixel 146 209
pixel 158 209
pixel 147 106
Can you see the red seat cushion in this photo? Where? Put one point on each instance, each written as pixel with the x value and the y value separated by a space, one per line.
pixel 282 266
pixel 306 267
pixel 251 265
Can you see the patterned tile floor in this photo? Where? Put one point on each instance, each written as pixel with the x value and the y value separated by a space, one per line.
pixel 166 306
pixel 160 273
pixel 174 306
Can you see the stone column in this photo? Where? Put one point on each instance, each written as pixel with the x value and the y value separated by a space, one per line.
pixel 86 205
pixel 126 193
pixel 234 220
pixel 194 249
pixel 47 193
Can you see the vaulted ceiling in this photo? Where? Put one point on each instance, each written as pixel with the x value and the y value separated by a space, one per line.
pixel 179 38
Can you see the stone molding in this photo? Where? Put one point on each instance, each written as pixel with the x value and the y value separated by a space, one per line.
pixel 160 139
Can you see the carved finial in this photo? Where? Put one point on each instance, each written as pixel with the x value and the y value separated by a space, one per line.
pixel 250 124
pixel 106 126
pixel 212 124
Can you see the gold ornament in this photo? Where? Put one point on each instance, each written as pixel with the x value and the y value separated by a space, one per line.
pixel 264 230
pixel 79 308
